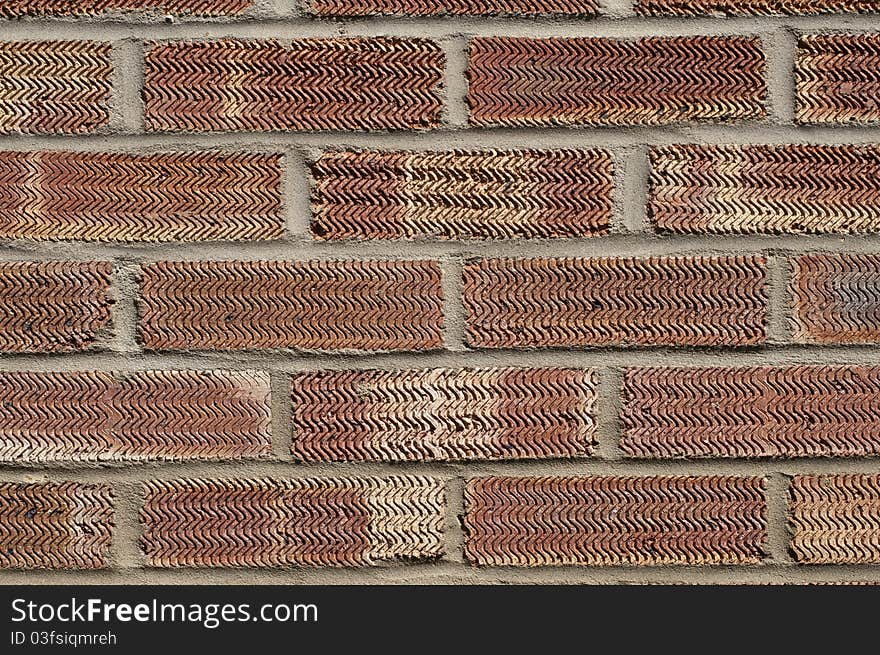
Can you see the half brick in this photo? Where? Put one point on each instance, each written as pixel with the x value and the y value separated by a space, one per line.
pixel 312 84
pixel 600 81
pixel 316 522
pixel 835 519
pixel 462 195
pixel 55 525
pixel 593 521
pixel 20 8
pixel 316 305
pixel 454 7
pixel 443 414
pixel 659 301
pixel 797 411
pixel 754 7
pixel 60 87
pixel 165 415
pixel 53 306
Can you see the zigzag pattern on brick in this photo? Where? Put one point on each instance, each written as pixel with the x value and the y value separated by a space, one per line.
pixel 443 414
pixel 53 306
pixel 20 8
pixel 600 81
pixel 836 298
pixel 553 521
pixel 312 84
pixel 462 195
pixel 795 411
pixel 657 301
pixel 121 197
pixel 55 525
pixel 754 7
pixel 101 416
pixel 835 519
pixel 60 87
pixel 454 7
pixel 765 188
pixel 837 78
pixel 275 523
pixel 315 305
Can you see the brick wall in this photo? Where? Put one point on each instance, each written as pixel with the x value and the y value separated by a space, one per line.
pixel 450 291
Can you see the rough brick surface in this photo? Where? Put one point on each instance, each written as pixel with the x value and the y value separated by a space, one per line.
pixel 765 188
pixel 120 197
pixel 53 306
pixel 696 301
pixel 753 7
pixel 19 8
pixel 331 305
pixel 454 7
pixel 462 195
pixel 55 525
pixel 443 414
pixel 835 519
pixel 54 86
pixel 836 298
pixel 798 411
pixel 837 79
pixel 612 520
pixel 322 522
pixel 597 81
pixel 99 416
pixel 312 84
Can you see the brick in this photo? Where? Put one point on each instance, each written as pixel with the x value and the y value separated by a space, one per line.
pixel 659 301
pixel 94 416
pixel 53 306
pixel 599 81
pixel 753 7
pixel 454 7
pixel 54 87
pixel 443 414
pixel 836 78
pixel 836 298
pixel 765 189
pixel 462 195
pixel 271 523
pixel 311 84
pixel 20 8
pixel 553 521
pixel 835 519
pixel 120 197
pixel 55 525
pixel 795 411
pixel 329 305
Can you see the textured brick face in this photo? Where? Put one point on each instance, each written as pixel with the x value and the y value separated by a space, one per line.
pixel 312 84
pixel 610 520
pixel 462 195
pixel 753 7
pixel 54 86
pixel 443 414
pixel 99 416
pixel 594 81
pixel 837 78
pixel 55 526
pixel 836 298
pixel 703 301
pixel 53 306
pixel 319 522
pixel 835 519
pixel 119 197
pixel 335 305
pixel 800 411
pixel 765 189
pixel 454 7
pixel 18 8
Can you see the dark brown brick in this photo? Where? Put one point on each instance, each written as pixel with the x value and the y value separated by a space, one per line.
pixel 19 8
pixel 454 7
pixel 753 7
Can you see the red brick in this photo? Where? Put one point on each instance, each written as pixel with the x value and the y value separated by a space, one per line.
pixel 55 526
pixel 660 301
pixel 593 521
pixel 598 81
pixel 167 415
pixel 311 84
pixel 753 7
pixel 317 305
pixel 121 197
pixel 53 306
pixel 796 411
pixel 317 522
pixel 454 7
pixel 19 8
pixel 443 414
